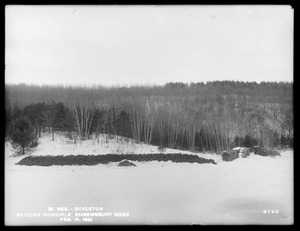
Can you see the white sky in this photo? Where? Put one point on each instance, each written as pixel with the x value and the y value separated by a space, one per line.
pixel 125 45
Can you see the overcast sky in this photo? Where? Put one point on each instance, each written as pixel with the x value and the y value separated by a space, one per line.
pixel 125 45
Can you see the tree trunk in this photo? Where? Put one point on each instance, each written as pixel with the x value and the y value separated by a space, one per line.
pixel 52 132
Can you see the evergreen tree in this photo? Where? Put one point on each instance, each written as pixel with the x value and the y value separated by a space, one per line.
pixel 22 134
pixel 59 120
pixel 35 113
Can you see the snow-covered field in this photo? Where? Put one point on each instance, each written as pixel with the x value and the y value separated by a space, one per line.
pixel 254 190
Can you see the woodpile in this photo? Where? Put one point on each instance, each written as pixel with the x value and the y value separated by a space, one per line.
pixel 273 153
pixel 235 153
pixel 264 152
pixel 230 155
pixel 244 152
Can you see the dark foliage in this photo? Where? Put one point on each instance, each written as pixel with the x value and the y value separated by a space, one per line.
pixel 247 141
pixel 35 114
pixel 11 115
pixel 122 125
pixel 22 134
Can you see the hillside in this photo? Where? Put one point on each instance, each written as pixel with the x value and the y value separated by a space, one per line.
pixel 205 117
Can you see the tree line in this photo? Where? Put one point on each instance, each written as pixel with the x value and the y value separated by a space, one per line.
pixel 204 117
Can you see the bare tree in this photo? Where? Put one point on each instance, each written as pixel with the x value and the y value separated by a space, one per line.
pixel 82 114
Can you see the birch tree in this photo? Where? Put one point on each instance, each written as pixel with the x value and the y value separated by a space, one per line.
pixel 82 114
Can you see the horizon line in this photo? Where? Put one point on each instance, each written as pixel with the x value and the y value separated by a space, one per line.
pixel 137 84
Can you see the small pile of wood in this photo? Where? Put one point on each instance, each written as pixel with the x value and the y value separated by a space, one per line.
pixel 264 152
pixel 243 152
pixel 230 155
pixel 126 163
pixel 235 153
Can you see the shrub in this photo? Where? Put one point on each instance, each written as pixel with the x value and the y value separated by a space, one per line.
pixel 34 143
pixel 249 141
pixel 69 136
pixel 161 148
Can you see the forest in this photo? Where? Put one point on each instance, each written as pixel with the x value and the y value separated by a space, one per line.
pixel 204 117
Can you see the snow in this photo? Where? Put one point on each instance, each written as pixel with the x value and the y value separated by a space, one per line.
pixel 120 145
pixel 237 148
pixel 237 192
